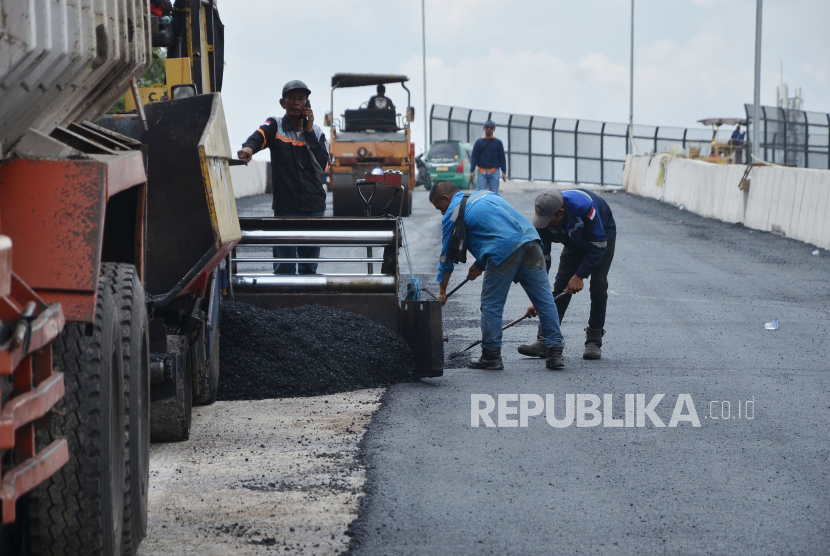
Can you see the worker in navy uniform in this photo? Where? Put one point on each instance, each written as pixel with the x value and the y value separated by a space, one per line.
pixel 380 100
pixel 582 221
pixel 298 157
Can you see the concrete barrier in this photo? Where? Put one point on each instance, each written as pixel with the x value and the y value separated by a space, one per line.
pixel 249 180
pixel 790 201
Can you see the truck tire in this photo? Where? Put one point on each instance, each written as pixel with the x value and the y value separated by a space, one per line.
pixel 135 348
pixel 170 417
pixel 80 509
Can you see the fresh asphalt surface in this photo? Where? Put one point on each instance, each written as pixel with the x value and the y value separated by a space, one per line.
pixel 686 316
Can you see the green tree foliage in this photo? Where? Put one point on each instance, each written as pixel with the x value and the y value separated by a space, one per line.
pixel 154 77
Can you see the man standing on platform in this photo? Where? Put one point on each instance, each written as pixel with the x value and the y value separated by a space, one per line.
pixel 298 157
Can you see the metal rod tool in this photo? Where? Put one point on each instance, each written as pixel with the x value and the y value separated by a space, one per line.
pixel 514 323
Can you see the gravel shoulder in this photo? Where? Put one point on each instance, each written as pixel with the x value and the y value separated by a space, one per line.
pixel 258 477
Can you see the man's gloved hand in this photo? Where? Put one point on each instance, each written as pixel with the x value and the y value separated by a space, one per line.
pixel 531 312
pixel 503 176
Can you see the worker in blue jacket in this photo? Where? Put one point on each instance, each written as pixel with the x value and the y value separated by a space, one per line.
pixel 582 221
pixel 507 249
pixel 488 157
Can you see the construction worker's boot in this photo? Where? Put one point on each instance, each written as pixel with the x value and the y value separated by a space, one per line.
pixel 593 343
pixel 536 349
pixel 555 359
pixel 490 360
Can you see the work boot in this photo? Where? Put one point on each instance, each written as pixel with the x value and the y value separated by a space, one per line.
pixel 490 360
pixel 593 343
pixel 555 359
pixel 536 349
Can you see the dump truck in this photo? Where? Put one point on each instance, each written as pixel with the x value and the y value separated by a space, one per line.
pixel 113 239
pixel 366 138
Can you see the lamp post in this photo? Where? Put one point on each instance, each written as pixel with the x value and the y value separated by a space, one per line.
pixel 756 107
pixel 424 57
pixel 631 84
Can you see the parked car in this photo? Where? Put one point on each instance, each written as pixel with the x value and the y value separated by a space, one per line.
pixel 450 160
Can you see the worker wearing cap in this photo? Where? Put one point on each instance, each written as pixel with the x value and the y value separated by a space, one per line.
pixel 507 250
pixel 298 156
pixel 488 157
pixel 582 221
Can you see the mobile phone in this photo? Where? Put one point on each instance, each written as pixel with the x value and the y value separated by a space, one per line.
pixel 305 118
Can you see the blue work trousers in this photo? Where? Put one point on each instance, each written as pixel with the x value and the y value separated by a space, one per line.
pixel 293 252
pixel 525 266
pixel 489 182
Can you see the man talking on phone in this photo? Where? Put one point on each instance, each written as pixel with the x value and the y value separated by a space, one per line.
pixel 298 156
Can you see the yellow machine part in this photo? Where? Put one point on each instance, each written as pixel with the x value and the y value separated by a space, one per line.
pixel 214 153
pixel 177 72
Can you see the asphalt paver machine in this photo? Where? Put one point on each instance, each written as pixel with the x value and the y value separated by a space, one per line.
pixel 358 271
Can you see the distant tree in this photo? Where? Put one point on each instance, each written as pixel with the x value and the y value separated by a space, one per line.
pixel 153 77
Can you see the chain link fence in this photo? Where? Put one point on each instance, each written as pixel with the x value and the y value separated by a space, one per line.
pixel 792 137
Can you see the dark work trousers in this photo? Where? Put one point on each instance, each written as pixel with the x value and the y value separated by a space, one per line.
pixel 293 252
pixel 569 262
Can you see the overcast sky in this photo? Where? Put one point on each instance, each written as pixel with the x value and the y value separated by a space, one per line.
pixel 562 58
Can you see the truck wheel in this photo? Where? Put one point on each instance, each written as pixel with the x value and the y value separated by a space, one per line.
pixel 80 509
pixel 170 417
pixel 135 347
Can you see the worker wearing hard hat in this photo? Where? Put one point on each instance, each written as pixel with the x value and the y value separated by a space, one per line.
pixel 298 156
pixel 507 250
pixel 582 221
pixel 488 158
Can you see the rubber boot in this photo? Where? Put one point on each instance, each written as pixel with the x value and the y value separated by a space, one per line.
pixel 490 360
pixel 555 359
pixel 536 349
pixel 593 343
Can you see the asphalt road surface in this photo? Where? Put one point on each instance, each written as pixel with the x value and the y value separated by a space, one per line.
pixel 686 315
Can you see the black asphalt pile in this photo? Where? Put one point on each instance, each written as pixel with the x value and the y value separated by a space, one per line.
pixel 305 351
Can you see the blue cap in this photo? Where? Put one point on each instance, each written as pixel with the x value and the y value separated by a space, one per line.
pixel 490 122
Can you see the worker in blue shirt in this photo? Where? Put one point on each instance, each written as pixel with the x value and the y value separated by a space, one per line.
pixel 507 249
pixel 488 157
pixel 737 143
pixel 582 221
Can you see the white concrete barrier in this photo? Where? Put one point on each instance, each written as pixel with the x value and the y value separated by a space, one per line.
pixel 790 201
pixel 249 180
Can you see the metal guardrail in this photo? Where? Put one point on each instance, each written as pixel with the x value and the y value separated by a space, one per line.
pixel 792 137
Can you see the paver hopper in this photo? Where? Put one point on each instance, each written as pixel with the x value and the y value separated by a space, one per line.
pixel 360 257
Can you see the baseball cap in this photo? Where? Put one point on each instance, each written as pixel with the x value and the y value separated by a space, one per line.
pixel 547 204
pixel 490 122
pixel 295 85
